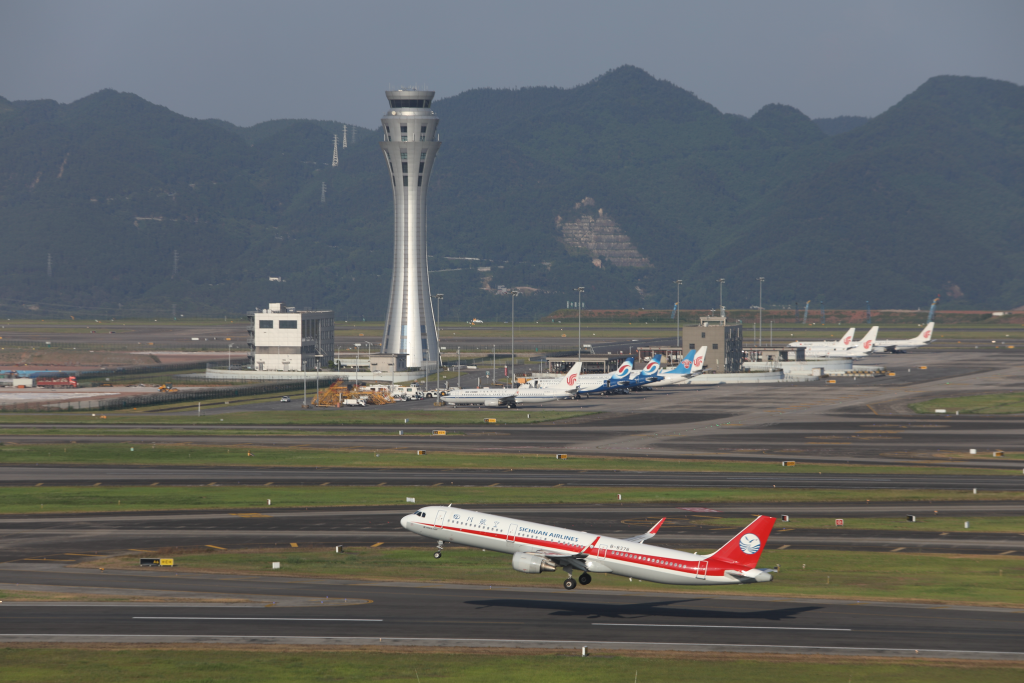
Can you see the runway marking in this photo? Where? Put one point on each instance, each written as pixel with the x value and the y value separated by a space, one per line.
pixel 248 514
pixel 98 484
pixel 39 484
pixel 140 550
pixel 1008 552
pixel 896 550
pixel 294 545
pixel 155 483
pixel 248 619
pixel 490 485
pixel 782 547
pixel 384 482
pixel 325 483
pixel 432 485
pixel 91 555
pixel 268 483
pixel 216 546
pixel 377 545
pixel 770 628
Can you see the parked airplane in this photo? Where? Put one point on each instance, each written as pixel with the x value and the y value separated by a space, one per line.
pixel 639 378
pixel 601 384
pixel 901 345
pixel 820 348
pixel 862 348
pixel 526 394
pixel 688 368
pixel 537 548
pixel 475 321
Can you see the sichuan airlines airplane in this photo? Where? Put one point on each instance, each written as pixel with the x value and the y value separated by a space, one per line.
pixel 537 548
pixel 901 345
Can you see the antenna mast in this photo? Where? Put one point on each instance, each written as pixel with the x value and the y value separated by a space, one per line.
pixel 335 161
pixel 344 135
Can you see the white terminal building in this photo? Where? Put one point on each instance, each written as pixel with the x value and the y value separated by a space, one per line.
pixel 284 339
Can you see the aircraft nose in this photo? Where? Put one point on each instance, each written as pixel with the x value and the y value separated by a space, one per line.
pixel 405 522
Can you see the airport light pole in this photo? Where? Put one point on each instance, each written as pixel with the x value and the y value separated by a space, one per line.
pixel 232 344
pixel 318 356
pixel 760 286
pixel 514 293
pixel 579 324
pixel 721 307
pixel 437 335
pixel 357 345
pixel 679 340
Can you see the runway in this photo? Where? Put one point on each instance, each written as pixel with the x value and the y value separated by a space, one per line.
pixel 411 614
pixel 73 538
pixel 90 475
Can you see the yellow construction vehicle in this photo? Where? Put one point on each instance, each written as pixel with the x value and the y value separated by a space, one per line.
pixel 168 389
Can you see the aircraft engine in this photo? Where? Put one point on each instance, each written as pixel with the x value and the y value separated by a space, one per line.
pixel 492 403
pixel 531 564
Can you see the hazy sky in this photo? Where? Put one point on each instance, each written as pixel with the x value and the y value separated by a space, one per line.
pixel 252 61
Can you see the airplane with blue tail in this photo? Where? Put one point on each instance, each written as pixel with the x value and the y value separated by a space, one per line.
pixel 689 367
pixel 638 378
pixel 604 384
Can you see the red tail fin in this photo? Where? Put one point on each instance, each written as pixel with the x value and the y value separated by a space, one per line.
pixel 746 547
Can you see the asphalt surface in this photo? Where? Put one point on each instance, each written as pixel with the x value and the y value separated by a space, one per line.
pixel 90 475
pixel 72 538
pixel 478 616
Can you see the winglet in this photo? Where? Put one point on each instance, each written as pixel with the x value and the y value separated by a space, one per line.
pixel 650 533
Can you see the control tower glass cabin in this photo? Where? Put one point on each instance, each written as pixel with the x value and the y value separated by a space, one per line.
pixel 410 144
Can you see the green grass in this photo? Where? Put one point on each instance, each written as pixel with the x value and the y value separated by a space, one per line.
pixel 837 574
pixel 321 416
pixel 188 454
pixel 982 404
pixel 67 499
pixel 385 665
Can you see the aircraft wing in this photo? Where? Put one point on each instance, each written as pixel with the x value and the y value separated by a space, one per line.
pixel 650 533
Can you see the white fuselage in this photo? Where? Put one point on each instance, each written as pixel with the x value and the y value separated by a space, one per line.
pixel 494 398
pixel 595 554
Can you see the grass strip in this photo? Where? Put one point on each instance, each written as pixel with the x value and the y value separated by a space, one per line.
pixel 270 664
pixel 981 404
pixel 320 416
pixel 70 499
pixel 835 574
pixel 123 454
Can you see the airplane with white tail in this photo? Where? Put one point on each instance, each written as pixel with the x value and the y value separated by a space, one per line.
pixel 529 393
pixel 818 349
pixel 859 350
pixel 537 548
pixel 901 345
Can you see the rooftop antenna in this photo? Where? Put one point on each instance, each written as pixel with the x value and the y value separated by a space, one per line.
pixel 344 138
pixel 335 161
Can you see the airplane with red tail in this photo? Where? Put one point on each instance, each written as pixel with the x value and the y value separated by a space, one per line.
pixel 537 548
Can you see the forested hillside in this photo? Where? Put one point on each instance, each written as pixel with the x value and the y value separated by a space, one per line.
pixel 924 200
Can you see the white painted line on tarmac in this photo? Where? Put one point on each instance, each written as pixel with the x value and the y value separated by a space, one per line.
pixel 771 628
pixel 247 619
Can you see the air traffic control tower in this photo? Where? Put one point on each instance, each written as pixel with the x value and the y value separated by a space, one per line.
pixel 410 144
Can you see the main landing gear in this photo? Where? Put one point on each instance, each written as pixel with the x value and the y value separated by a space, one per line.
pixel 570 582
pixel 440 547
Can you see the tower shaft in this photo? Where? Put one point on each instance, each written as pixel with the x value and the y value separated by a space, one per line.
pixel 410 145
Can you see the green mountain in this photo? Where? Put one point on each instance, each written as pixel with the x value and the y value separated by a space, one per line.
pixel 621 185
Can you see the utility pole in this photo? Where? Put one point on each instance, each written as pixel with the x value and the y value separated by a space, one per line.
pixel 721 307
pixel 760 286
pixel 458 356
pixel 679 339
pixel 514 293
pixel 579 323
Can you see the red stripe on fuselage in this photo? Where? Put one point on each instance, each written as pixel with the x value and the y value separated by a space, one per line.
pixel 691 567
